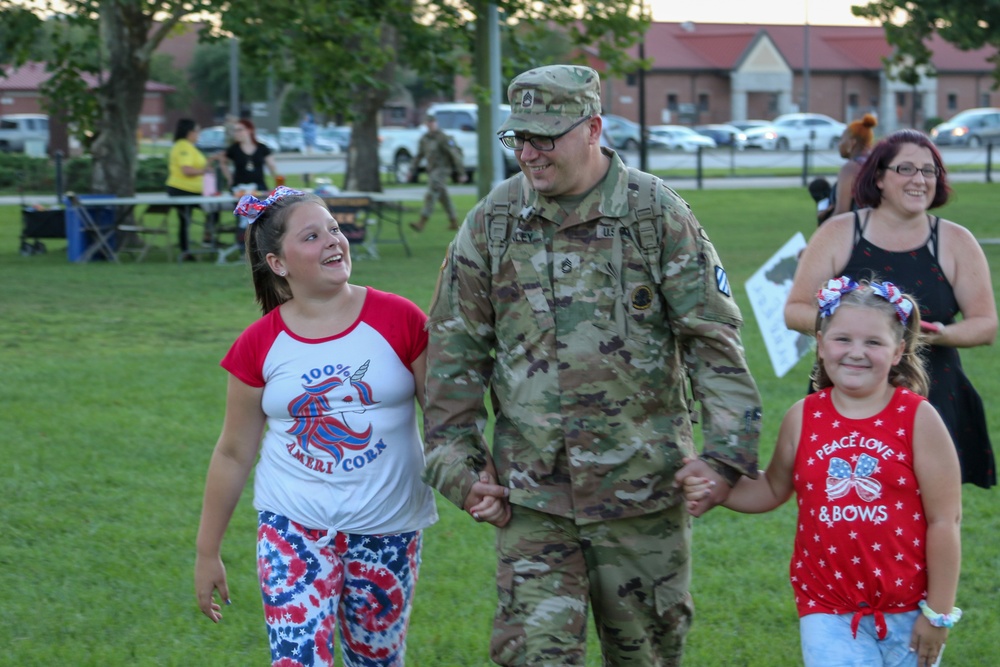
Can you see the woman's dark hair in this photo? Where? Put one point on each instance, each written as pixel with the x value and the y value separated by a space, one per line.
pixel 264 236
pixel 866 190
pixel 184 127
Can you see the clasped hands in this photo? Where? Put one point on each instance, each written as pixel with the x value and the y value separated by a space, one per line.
pixel 702 486
pixel 487 500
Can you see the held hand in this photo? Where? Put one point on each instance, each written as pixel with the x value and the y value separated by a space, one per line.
pixel 716 487
pixel 487 501
pixel 927 641
pixel 696 489
pixel 210 576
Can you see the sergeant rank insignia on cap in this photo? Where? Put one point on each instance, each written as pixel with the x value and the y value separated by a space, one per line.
pixel 527 99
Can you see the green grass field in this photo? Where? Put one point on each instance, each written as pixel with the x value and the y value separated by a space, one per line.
pixel 112 399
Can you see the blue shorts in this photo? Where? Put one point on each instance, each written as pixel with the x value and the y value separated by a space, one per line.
pixel 827 641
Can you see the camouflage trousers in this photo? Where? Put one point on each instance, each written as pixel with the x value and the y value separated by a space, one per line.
pixel 634 573
pixel 437 190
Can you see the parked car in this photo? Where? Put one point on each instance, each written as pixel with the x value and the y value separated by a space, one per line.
pixel 334 139
pixel 18 131
pixel 622 132
pixel 972 127
pixel 211 140
pixel 744 125
pixel 797 130
pixel 268 139
pixel 761 136
pixel 291 140
pixel 724 135
pixel 679 138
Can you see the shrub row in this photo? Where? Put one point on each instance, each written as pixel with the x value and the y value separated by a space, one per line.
pixel 20 173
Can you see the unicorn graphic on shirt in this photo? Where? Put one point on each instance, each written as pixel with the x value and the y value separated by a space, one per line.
pixel 320 414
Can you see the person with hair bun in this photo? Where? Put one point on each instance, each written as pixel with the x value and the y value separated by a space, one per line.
pixel 322 388
pixel 855 145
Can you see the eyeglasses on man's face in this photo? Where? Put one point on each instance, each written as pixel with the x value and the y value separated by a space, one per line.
pixel 540 143
pixel 907 169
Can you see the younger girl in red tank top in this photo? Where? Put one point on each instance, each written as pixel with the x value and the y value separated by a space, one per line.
pixel 877 546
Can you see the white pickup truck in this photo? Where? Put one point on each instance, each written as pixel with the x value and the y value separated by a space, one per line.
pixel 398 145
pixel 24 132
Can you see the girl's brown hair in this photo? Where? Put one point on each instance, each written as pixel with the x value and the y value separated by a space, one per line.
pixel 264 236
pixel 910 371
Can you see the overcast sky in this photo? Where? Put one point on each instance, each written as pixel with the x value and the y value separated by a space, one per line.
pixel 795 12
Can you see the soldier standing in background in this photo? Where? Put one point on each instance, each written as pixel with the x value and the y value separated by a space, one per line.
pixel 443 157
pixel 590 303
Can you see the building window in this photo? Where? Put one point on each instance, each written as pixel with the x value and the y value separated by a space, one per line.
pixel 900 99
pixel 672 101
pixel 631 80
pixel 984 99
pixel 852 100
pixel 952 101
pixel 702 101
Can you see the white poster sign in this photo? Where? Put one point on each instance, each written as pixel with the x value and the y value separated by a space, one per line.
pixel 767 290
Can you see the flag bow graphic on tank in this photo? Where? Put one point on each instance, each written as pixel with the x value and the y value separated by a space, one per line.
pixel 841 479
pixel 315 410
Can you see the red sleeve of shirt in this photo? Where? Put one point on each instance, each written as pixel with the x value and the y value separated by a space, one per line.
pixel 399 321
pixel 245 358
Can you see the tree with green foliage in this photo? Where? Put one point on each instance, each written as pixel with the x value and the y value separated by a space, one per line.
pixel 909 23
pixel 98 83
pixel 347 54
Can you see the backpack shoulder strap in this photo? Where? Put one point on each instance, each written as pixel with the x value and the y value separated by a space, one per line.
pixel 645 216
pixel 502 208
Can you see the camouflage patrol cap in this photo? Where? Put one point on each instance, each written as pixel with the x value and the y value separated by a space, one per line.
pixel 547 100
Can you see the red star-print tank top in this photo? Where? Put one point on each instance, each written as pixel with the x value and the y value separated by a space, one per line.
pixel 859 543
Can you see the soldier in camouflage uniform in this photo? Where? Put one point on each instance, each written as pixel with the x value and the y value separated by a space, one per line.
pixel 442 159
pixel 588 344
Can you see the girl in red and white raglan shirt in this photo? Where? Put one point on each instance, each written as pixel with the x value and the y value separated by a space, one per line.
pixel 877 546
pixel 323 387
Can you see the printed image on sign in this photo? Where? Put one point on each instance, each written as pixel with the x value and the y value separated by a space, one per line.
pixel 767 290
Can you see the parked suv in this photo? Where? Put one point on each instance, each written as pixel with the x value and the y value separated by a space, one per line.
pixel 19 129
pixel 973 127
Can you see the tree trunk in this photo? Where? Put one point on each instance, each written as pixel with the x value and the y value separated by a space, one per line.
pixel 363 172
pixel 124 33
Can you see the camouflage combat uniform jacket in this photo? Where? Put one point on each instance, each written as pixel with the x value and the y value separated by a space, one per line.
pixel 588 360
pixel 439 150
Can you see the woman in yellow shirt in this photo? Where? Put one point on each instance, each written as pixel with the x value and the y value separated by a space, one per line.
pixel 186 170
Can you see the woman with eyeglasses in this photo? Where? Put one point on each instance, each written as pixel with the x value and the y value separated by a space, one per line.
pixel 938 261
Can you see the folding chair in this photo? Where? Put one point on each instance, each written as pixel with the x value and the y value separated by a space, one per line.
pixel 154 222
pixel 98 235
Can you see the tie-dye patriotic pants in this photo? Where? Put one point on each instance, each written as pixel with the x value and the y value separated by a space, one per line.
pixel 314 583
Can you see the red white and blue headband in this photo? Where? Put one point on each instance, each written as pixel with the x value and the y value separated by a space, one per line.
pixel 251 208
pixel 829 297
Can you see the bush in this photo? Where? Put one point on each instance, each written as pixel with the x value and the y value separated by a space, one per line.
pixel 151 174
pixel 931 122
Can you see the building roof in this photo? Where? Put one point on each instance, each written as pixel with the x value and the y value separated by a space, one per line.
pixel 699 46
pixel 30 77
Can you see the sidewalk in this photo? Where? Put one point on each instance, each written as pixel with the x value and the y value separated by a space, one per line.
pixel 416 192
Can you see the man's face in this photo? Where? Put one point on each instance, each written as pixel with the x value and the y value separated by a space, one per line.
pixel 560 171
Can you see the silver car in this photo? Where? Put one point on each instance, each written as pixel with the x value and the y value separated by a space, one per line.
pixel 973 127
